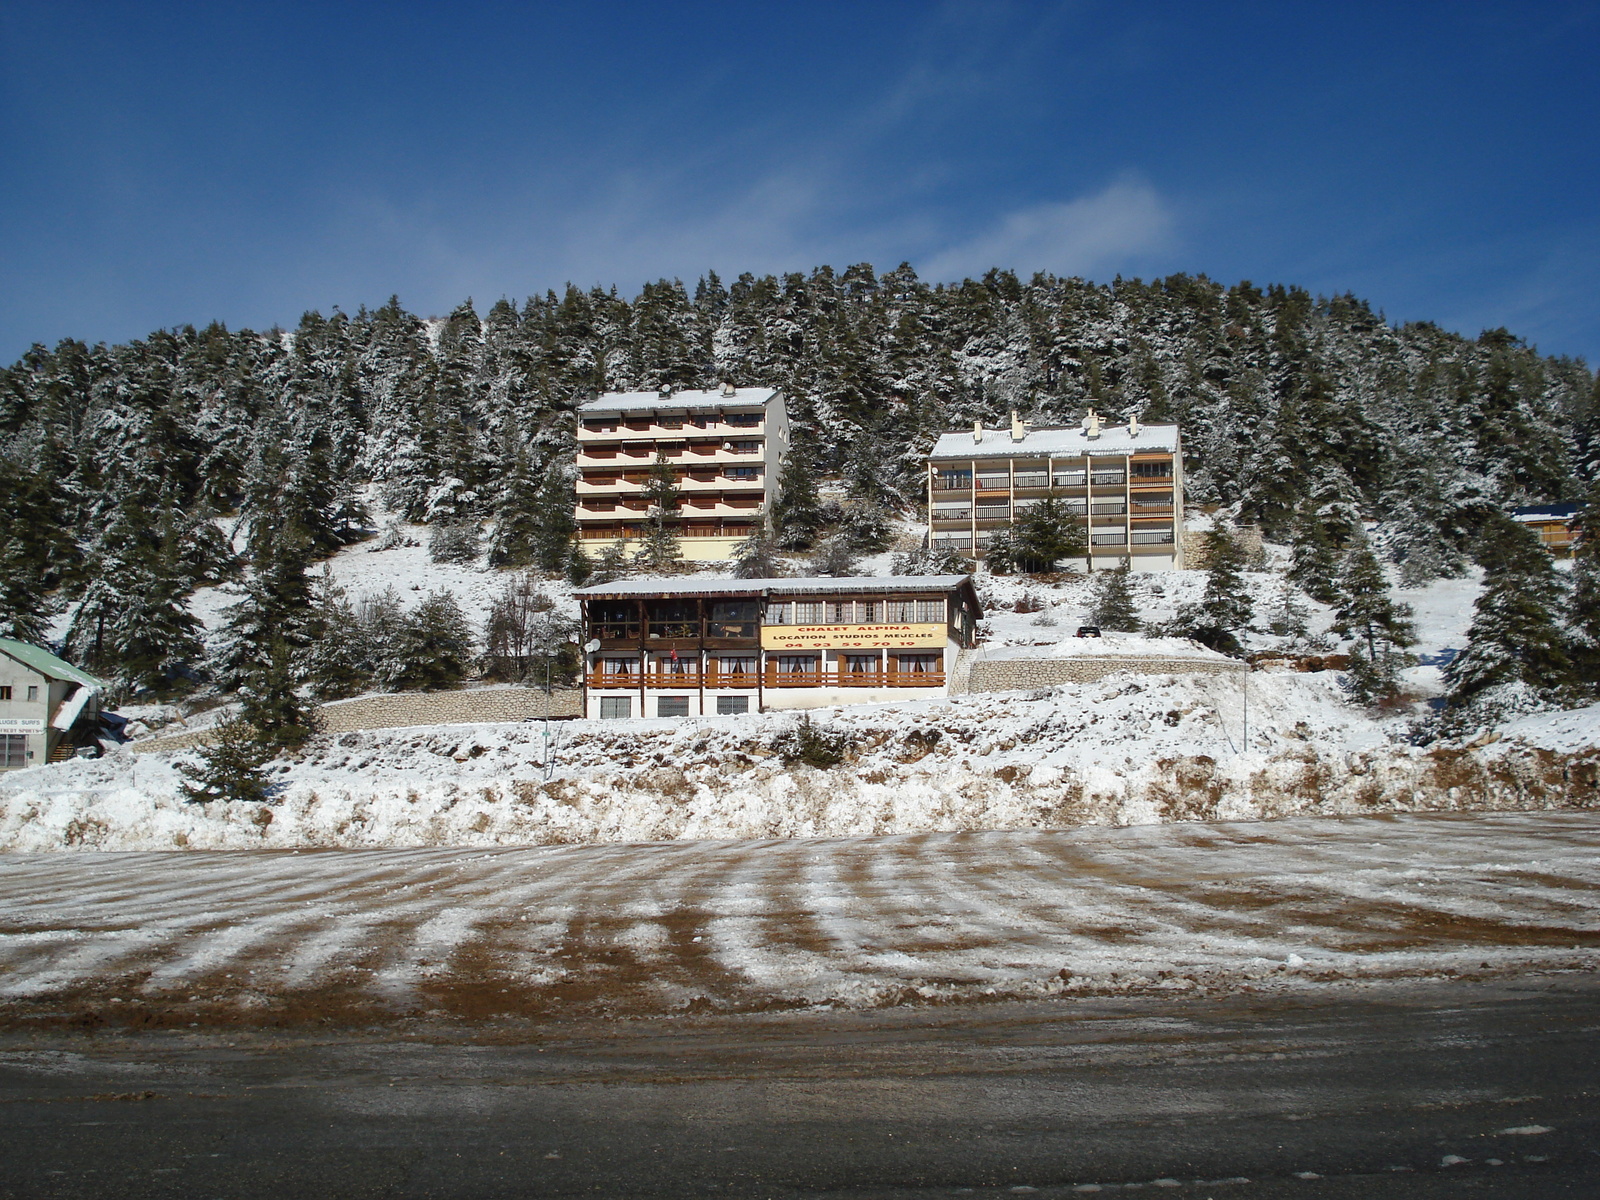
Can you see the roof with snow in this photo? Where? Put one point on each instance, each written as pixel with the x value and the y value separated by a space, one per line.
pixel 47 664
pixel 1545 512
pixel 704 399
pixel 823 584
pixel 1067 443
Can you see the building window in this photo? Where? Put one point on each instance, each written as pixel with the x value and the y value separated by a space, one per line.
pixel 1152 470
pixel 930 612
pixel 867 612
pixel 797 664
pixel 746 447
pixel 742 420
pixel 672 706
pixel 13 749
pixel 919 664
pixel 743 472
pixel 612 707
pixel 33 693
pixel 741 667
pixel 899 612
pixel 732 619
pixel 841 612
pixel 860 664
pixel 732 706
pixel 952 480
pixel 5 693
pixel 808 612
pixel 780 612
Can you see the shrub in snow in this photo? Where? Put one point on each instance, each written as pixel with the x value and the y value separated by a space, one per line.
pixel 453 542
pixel 230 766
pixel 835 555
pixel 812 744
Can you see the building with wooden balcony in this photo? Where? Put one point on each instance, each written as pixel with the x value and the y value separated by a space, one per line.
pixel 721 647
pixel 1552 523
pixel 725 446
pixel 1124 482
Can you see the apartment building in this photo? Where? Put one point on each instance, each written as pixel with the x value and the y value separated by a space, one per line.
pixel 721 647
pixel 1125 482
pixel 725 445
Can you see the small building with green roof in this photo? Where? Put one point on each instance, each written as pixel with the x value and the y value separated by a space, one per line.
pixel 48 707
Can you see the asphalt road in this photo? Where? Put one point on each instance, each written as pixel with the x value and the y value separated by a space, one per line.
pixel 1418 1090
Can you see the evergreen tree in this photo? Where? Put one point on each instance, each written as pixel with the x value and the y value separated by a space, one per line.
pixel 1583 607
pixel 1515 658
pixel 611 565
pixel 453 542
pixel 25 605
pixel 929 560
pixel 1113 606
pixel 230 766
pixel 436 644
pixel 835 555
pixel 1225 609
pixel 659 548
pixel 757 557
pixel 1381 627
pixel 797 511
pixel 1041 536
pixel 334 664
pixel 270 702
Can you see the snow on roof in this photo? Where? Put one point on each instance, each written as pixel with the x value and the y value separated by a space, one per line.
pixel 71 708
pixel 1107 646
pixel 1545 512
pixel 777 587
pixel 684 401
pixel 1072 442
pixel 47 664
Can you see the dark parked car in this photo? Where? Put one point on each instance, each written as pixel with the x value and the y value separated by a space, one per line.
pixel 1088 631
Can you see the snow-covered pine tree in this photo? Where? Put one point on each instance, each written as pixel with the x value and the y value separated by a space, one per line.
pixel 230 767
pixel 334 663
pixel 1326 522
pixel 929 560
pixel 1225 609
pixel 1113 607
pixel 1380 627
pixel 270 701
pixel 454 542
pixel 436 644
pixel 659 549
pixel 1583 603
pixel 797 511
pixel 834 555
pixel 1515 659
pixel 757 557
pixel 1045 533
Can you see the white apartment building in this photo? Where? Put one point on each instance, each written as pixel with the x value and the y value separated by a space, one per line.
pixel 725 444
pixel 1124 481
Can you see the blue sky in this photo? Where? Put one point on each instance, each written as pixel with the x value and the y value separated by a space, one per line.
pixel 167 164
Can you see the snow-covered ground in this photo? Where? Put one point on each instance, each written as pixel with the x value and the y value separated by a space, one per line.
pixel 691 926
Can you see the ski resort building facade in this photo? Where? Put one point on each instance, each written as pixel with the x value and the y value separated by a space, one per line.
pixel 1124 481
pixel 725 446
pixel 721 647
pixel 47 707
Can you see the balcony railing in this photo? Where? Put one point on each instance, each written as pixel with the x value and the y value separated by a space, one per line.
pixel 774 678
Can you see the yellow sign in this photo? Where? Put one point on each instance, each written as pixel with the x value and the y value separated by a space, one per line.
pixel 853 637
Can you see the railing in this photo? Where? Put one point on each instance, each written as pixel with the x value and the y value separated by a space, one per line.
pixel 954 484
pixel 1032 479
pixel 952 514
pixel 1108 477
pixel 1153 539
pixel 774 678
pixel 1109 508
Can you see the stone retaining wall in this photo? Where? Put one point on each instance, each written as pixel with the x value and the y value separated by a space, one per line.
pixel 400 709
pixel 1024 674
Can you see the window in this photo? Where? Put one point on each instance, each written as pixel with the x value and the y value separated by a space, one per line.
pixel 867 612
pixel 930 612
pixel 5 693
pixel 674 665
pixel 621 666
pixel 33 693
pixel 841 612
pixel 808 612
pixel 736 665
pixel 746 447
pixel 919 664
pixel 899 612
pixel 13 749
pixel 732 619
pixel 951 480
pixel 732 706
pixel 1152 470
pixel 743 472
pixel 780 612
pixel 742 420
pixel 860 664
pixel 797 664
pixel 672 706
pixel 613 707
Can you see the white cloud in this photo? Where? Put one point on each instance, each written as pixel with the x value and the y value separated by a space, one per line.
pixel 1076 237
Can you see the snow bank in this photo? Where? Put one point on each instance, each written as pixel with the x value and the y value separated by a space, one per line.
pixel 1125 750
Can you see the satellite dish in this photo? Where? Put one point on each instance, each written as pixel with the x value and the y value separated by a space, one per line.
pixel 592 645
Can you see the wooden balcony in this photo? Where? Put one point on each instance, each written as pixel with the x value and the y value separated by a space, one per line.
pixel 774 678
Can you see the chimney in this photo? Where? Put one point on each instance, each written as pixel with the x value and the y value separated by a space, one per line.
pixel 977 431
pixel 1091 425
pixel 1133 427
pixel 1017 432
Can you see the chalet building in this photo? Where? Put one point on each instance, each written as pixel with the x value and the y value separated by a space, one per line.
pixel 47 707
pixel 719 647
pixel 1553 523
pixel 725 446
pixel 1124 481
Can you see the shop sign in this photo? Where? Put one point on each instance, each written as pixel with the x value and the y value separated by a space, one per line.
pixel 21 724
pixel 853 637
